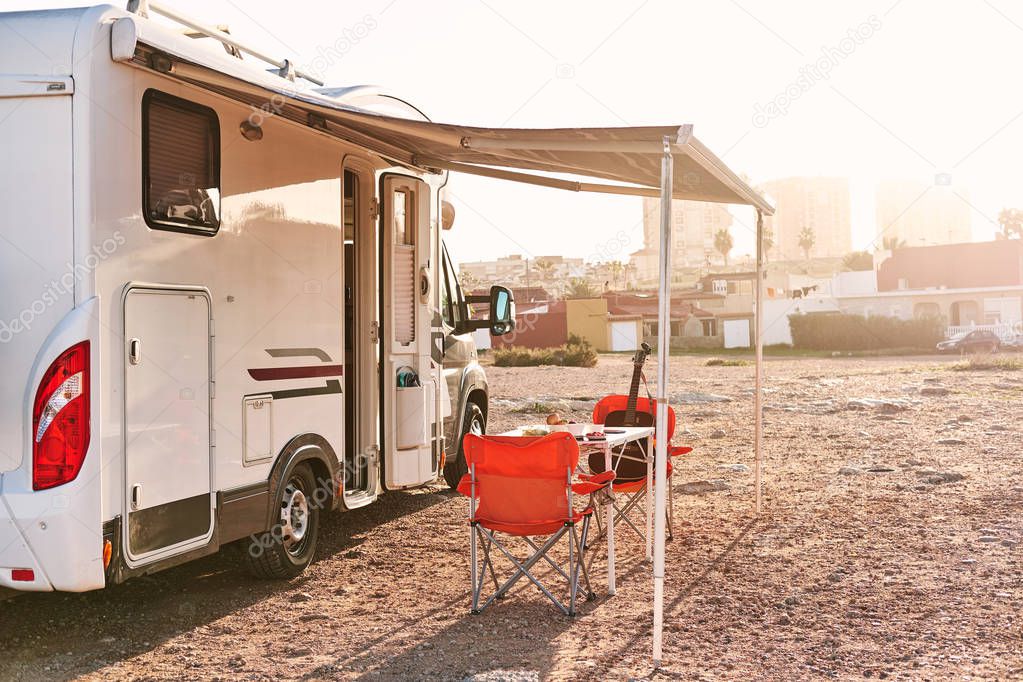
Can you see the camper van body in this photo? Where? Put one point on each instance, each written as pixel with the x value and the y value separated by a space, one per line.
pixel 208 359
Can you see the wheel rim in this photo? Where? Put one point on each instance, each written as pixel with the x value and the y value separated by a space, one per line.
pixel 476 426
pixel 294 518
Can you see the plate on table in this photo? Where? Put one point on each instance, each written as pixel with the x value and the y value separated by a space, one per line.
pixel 573 428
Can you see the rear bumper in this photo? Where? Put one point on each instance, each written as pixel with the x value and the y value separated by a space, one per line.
pixel 57 534
pixel 16 555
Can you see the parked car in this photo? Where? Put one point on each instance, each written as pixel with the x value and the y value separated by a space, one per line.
pixel 1012 342
pixel 977 341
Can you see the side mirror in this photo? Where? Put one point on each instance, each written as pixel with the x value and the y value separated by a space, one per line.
pixel 502 310
pixel 501 317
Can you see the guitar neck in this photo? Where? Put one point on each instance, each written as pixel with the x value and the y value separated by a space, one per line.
pixel 630 406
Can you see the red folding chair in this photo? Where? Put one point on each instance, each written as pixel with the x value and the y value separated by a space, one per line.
pixel 522 487
pixel 635 489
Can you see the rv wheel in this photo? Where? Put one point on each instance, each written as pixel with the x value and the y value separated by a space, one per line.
pixel 288 547
pixel 474 422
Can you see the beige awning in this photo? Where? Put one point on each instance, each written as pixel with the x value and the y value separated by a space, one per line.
pixel 626 160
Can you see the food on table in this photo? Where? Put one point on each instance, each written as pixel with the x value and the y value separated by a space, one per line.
pixel 534 431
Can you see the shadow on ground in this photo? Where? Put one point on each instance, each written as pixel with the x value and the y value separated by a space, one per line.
pixel 62 635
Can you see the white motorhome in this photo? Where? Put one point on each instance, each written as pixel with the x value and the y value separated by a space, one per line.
pixel 216 320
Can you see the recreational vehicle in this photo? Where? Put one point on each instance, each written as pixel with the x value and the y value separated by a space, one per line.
pixel 219 317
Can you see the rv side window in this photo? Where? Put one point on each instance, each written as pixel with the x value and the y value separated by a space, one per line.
pixel 180 164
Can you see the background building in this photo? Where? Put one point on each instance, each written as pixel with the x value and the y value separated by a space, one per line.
pixel 517 271
pixel 693 228
pixel 821 204
pixel 918 214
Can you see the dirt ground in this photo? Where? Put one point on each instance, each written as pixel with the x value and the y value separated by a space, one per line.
pixel 889 548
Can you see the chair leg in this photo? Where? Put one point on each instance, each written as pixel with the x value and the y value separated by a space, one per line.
pixel 523 570
pixel 622 513
pixel 671 510
pixel 590 596
pixel 474 568
pixel 488 562
pixel 600 525
pixel 546 558
pixel 573 573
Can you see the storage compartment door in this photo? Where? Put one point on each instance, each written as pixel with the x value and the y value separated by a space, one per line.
pixel 407 290
pixel 168 478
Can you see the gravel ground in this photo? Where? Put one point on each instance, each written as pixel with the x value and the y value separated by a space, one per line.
pixel 889 548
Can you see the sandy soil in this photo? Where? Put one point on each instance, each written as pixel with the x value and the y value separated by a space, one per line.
pixel 904 572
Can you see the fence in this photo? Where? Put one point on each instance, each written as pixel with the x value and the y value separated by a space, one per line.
pixel 1003 329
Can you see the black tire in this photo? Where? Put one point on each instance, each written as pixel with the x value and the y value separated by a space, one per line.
pixel 473 422
pixel 278 554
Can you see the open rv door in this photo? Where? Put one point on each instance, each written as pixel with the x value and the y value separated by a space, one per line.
pixel 408 380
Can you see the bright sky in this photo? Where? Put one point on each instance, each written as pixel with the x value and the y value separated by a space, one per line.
pixel 912 89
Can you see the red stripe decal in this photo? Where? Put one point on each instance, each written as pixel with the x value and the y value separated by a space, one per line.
pixel 309 372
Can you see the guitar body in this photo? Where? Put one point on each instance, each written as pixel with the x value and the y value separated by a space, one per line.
pixel 633 468
pixel 627 469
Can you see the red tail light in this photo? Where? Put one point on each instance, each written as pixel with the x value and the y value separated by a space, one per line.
pixel 60 419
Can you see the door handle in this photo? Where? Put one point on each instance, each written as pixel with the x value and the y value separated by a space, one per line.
pixel 136 496
pixel 135 351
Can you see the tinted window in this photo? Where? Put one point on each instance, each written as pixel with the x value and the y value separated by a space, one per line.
pixel 180 164
pixel 449 304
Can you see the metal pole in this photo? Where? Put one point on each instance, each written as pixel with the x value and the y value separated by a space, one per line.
pixel 661 437
pixel 758 426
pixel 609 511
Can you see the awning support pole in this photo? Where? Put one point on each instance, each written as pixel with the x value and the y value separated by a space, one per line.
pixel 661 433
pixel 758 418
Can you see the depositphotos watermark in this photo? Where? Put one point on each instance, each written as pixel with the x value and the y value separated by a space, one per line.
pixel 63 286
pixel 816 71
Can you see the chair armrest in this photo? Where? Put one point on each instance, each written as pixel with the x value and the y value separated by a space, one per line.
pixel 592 484
pixel 465 486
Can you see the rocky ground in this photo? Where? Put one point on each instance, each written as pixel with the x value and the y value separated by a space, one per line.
pixel 889 547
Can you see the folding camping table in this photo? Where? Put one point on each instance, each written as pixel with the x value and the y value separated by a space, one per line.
pixel 611 443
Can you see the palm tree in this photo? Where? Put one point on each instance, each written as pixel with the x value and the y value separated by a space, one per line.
pixel 858 261
pixel 723 243
pixel 806 241
pixel 468 281
pixel 1011 222
pixel 544 270
pixel 579 287
pixel 630 273
pixel 892 243
pixel 615 268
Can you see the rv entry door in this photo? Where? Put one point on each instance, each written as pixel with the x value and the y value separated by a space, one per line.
pixel 407 379
pixel 168 504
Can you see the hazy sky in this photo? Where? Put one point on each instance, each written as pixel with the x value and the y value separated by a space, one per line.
pixel 868 90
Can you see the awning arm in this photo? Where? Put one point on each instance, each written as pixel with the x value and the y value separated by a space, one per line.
pixel 708 160
pixel 530 179
pixel 560 145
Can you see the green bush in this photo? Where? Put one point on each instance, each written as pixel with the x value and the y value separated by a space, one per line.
pixel 855 332
pixel 726 362
pixel 576 353
pixel 980 363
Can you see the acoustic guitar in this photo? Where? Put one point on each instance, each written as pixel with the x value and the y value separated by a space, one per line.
pixel 632 466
